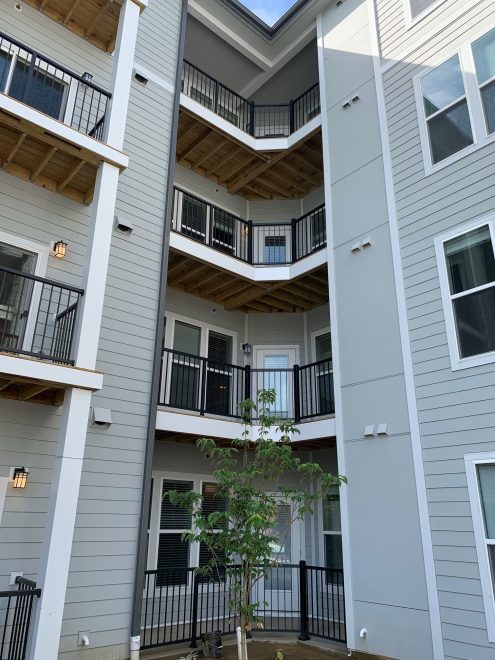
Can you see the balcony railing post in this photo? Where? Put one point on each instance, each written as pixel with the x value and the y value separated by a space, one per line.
pixel 247 382
pixel 29 76
pixel 291 117
pixel 297 395
pixel 294 239
pixel 215 96
pixel 303 601
pixel 250 239
pixel 202 404
pixel 194 614
pixel 251 117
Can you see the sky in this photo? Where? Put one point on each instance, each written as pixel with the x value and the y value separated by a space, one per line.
pixel 268 10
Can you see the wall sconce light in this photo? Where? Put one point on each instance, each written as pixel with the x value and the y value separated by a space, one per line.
pixel 59 249
pixel 87 77
pixel 246 348
pixel 19 477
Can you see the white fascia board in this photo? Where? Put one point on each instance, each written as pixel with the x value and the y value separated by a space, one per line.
pixel 63 132
pixel 254 273
pixel 13 365
pixel 177 422
pixel 256 144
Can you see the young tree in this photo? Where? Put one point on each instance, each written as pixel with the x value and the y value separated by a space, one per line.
pixel 252 482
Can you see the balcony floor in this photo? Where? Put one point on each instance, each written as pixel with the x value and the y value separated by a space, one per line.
pixel 255 175
pixel 94 20
pixel 233 292
pixel 29 152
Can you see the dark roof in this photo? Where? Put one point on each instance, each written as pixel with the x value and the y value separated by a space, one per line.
pixel 260 25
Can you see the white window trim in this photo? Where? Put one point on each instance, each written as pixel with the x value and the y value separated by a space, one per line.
pixel 41 250
pixel 206 328
pixel 322 533
pixel 314 335
pixel 472 94
pixel 456 362
pixel 471 462
pixel 411 21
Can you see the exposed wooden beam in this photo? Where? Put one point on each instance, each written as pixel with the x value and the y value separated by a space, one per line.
pixel 97 19
pixel 235 301
pixel 209 154
pixel 273 186
pixel 6 382
pixel 204 280
pixel 70 175
pixel 275 301
pixel 43 4
pixel 289 183
pixel 233 154
pixel 234 288
pixel 254 172
pixel 306 291
pixel 241 166
pixel 14 150
pixel 194 145
pixel 216 285
pixel 301 173
pixel 188 272
pixel 31 391
pixel 297 300
pixel 68 15
pixel 88 195
pixel 43 162
pixel 298 155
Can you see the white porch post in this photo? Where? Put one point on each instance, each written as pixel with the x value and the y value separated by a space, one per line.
pixel 59 531
pixel 59 528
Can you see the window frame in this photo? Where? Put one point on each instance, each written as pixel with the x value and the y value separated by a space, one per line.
pixel 456 361
pixel 472 93
pixel 412 21
pixel 479 86
pixel 471 462
pixel 330 586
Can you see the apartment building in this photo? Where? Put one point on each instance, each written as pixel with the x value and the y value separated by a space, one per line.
pixel 196 205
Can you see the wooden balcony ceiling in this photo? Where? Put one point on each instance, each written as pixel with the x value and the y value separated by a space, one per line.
pixel 32 154
pixel 207 281
pixel 94 20
pixel 32 390
pixel 297 445
pixel 288 174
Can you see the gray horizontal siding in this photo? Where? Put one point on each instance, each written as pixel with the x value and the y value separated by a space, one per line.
pixel 455 408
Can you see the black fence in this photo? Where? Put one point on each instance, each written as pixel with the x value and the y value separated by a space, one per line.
pixel 16 608
pixel 179 605
pixel 257 119
pixel 276 243
pixel 52 89
pixel 37 316
pixel 198 384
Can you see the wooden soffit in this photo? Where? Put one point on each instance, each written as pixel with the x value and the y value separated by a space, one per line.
pixel 233 292
pixel 94 20
pixel 289 174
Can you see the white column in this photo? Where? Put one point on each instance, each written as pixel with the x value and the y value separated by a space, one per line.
pixel 96 267
pixel 122 71
pixel 59 528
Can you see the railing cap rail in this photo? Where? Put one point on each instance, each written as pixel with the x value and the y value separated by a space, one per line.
pixel 56 65
pixel 42 280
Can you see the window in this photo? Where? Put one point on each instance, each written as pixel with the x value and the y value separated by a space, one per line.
pixel 332 534
pixel 446 110
pixel 275 252
pixel 185 369
pixel 456 103
pixel 419 6
pixel 173 553
pixel 194 217
pixel 468 288
pixel 480 473
pixel 324 373
pixel 484 61
pixel 219 374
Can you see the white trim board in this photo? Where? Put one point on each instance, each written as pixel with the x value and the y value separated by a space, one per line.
pixel 4 483
pixel 13 365
pixel 424 519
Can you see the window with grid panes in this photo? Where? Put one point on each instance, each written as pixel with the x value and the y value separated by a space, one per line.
pixel 173 552
pixel 332 533
pixel 484 61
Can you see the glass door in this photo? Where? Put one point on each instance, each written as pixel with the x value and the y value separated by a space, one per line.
pixel 17 297
pixel 275 370
pixel 183 368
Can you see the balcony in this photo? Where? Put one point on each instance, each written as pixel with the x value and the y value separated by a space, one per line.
pixel 37 320
pixel 259 244
pixel 248 266
pixel 258 151
pixel 259 120
pixel 94 20
pixel 16 611
pixel 59 145
pixel 206 387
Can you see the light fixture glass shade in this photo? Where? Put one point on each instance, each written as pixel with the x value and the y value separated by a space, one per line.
pixel 20 477
pixel 60 249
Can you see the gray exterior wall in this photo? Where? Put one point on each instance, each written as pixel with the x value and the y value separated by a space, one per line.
pixel 385 563
pixel 101 579
pixel 455 408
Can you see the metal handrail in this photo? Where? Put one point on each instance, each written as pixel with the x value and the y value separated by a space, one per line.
pixel 43 280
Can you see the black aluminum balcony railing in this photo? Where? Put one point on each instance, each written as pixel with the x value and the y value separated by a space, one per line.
pixel 37 316
pixel 258 119
pixel 179 605
pixel 52 89
pixel 197 384
pixel 16 608
pixel 260 243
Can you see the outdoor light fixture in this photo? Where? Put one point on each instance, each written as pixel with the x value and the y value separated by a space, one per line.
pixel 19 477
pixel 246 348
pixel 59 249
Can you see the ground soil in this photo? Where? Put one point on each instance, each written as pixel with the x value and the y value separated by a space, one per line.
pixel 267 651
